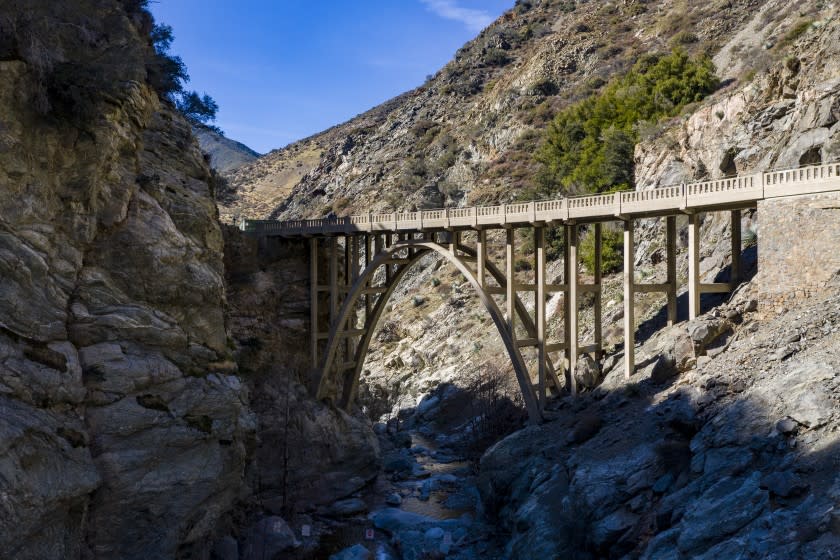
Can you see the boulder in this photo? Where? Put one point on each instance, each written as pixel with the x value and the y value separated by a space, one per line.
pixel 267 538
pixel 355 552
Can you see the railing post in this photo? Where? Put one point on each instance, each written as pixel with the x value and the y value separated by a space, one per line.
pixel 617 203
pixel 532 211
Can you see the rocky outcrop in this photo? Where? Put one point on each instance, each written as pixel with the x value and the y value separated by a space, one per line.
pixel 225 154
pixel 736 456
pixel 124 432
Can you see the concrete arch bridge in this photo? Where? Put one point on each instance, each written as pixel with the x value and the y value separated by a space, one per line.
pixel 357 262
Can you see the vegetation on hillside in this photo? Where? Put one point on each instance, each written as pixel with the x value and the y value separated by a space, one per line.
pixel 588 147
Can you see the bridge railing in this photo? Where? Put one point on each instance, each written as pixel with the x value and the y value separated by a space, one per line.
pixel 792 181
pixel 589 206
pixel 652 200
pixel 722 191
pixel 746 188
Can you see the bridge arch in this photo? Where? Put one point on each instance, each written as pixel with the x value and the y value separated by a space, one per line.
pixel 341 329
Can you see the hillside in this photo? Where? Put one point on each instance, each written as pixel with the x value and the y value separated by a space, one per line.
pixel 467 135
pixel 225 154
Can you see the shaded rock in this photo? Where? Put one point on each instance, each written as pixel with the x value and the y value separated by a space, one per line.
pixel 722 510
pixel 588 425
pixel 393 499
pixel 402 439
pixel 355 552
pixel 783 484
pixel 664 369
pixel 267 538
pixel 607 531
pixel 587 372
pixel 350 506
pixel 398 465
pixel 226 548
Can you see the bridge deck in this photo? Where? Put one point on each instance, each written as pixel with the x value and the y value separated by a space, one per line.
pixel 721 194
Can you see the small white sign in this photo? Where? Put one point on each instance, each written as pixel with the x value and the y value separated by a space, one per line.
pixel 306 531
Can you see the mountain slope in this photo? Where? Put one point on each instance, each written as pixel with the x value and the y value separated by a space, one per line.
pixel 468 134
pixel 225 154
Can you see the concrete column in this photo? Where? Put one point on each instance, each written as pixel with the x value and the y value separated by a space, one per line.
pixel 454 241
pixel 671 266
pixel 313 301
pixel 693 266
pixel 389 240
pixel 354 258
pixel 368 259
pixel 572 303
pixel 510 272
pixel 539 250
pixel 735 268
pixel 597 318
pixel 629 296
pixel 481 256
pixel 333 279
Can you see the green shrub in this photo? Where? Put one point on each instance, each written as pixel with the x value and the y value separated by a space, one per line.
pixel 684 38
pixel 522 264
pixel 611 250
pixel 795 33
pixel 588 147
pixel 495 57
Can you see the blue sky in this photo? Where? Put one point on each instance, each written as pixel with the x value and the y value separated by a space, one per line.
pixel 282 70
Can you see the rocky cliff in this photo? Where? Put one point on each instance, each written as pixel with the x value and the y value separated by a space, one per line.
pixel 116 375
pixel 125 431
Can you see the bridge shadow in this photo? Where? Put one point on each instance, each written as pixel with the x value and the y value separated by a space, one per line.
pixel 749 268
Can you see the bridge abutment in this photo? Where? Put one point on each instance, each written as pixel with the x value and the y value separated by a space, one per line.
pixel 798 248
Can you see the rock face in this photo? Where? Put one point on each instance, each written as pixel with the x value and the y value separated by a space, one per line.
pixel 123 432
pixel 737 455
pixel 309 454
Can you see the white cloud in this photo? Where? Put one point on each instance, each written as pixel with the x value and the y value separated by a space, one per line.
pixel 474 20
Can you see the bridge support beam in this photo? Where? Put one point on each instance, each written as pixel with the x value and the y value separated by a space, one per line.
pixel 313 301
pixel 671 267
pixel 481 256
pixel 510 272
pixel 629 307
pixel 693 265
pixel 597 318
pixel 539 257
pixel 735 268
pixel 572 280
